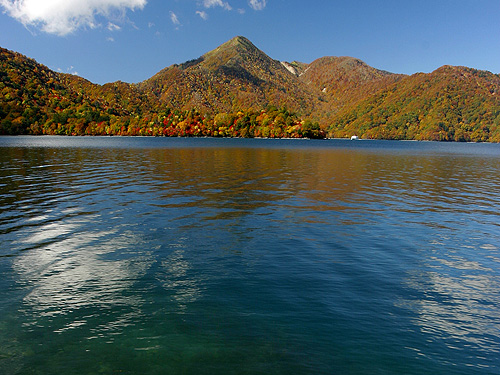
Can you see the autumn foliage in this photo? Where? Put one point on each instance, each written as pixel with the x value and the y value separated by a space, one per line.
pixel 238 91
pixel 449 104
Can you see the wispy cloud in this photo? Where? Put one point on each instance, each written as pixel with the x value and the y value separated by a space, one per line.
pixel 113 27
pixel 174 18
pixel 216 3
pixel 257 4
pixel 202 14
pixel 70 70
pixel 63 17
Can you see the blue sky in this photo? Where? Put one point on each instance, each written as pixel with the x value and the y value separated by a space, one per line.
pixel 131 40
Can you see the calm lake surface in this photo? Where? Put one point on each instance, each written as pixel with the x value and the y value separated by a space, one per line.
pixel 248 256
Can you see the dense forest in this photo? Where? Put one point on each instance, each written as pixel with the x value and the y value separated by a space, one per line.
pixel 449 104
pixel 236 90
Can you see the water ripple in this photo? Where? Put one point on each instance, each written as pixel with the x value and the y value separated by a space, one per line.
pixel 283 259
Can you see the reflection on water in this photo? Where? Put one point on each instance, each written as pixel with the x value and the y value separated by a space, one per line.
pixel 171 256
pixel 457 296
pixel 176 279
pixel 73 273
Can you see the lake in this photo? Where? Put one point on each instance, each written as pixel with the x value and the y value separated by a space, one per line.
pixel 248 256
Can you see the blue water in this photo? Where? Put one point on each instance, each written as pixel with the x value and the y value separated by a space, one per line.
pixel 234 256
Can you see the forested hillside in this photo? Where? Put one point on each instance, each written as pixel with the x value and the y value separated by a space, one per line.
pixel 449 104
pixel 237 90
pixel 234 76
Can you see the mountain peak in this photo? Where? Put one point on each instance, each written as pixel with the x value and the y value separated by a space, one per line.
pixel 238 52
pixel 236 46
pixel 239 40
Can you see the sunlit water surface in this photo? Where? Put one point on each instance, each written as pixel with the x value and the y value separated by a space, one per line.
pixel 231 256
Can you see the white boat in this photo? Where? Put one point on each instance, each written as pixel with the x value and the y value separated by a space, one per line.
pixel 354 138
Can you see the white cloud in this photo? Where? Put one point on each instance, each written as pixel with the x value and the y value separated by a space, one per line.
pixel 216 3
pixel 113 27
pixel 257 4
pixel 110 39
pixel 63 17
pixel 202 14
pixel 70 70
pixel 241 11
pixel 174 18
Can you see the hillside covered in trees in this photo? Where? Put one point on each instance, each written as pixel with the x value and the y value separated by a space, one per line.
pixel 237 90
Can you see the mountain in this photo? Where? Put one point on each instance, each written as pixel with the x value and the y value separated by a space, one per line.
pixel 38 100
pixel 237 90
pixel 343 80
pixel 450 104
pixel 234 76
pixel 33 95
